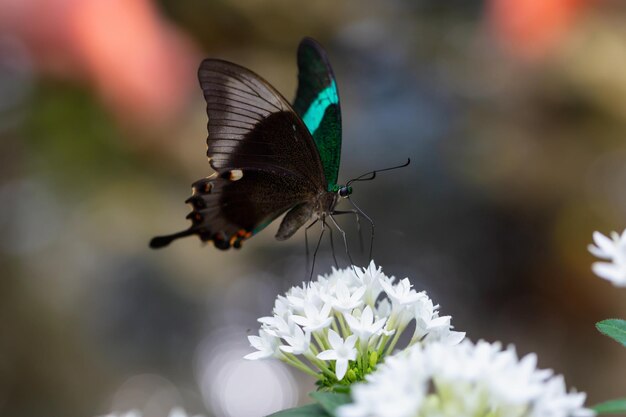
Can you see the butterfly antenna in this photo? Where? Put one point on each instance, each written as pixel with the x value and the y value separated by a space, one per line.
pixel 162 241
pixel 368 176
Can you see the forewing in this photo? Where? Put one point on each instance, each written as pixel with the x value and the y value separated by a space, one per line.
pixel 317 103
pixel 251 126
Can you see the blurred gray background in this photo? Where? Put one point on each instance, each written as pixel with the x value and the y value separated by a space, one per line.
pixel 512 111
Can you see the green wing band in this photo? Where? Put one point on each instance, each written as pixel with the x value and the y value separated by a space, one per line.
pixel 317 103
pixel 315 113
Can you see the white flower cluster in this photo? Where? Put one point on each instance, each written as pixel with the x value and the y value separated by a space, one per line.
pixel 612 249
pixel 463 380
pixel 339 327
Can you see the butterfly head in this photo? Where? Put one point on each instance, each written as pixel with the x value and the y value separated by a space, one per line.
pixel 342 191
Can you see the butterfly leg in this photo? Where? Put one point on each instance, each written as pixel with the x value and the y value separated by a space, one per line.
pixel 306 241
pixel 362 213
pixel 317 248
pixel 345 241
pixel 332 246
pixel 358 224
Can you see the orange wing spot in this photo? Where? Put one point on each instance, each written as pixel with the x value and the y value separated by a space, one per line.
pixel 237 239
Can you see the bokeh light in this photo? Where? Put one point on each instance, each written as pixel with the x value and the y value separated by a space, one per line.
pixel 234 387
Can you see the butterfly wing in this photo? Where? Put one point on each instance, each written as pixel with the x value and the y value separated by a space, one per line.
pixel 317 103
pixel 265 159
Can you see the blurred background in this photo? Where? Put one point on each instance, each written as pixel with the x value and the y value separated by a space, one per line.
pixel 512 111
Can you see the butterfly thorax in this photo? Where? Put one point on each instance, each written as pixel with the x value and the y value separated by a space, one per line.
pixel 326 203
pixel 317 208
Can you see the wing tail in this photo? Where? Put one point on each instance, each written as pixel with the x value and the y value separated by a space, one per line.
pixel 162 241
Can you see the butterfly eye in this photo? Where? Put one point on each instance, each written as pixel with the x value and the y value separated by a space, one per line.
pixel 345 192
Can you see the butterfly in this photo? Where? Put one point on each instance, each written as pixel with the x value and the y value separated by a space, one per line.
pixel 269 156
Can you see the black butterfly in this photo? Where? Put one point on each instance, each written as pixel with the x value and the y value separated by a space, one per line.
pixel 269 157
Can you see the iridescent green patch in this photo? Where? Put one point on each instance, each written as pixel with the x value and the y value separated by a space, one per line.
pixel 315 113
pixel 317 103
pixel 328 144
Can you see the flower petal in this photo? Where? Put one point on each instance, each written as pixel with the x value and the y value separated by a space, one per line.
pixel 604 243
pixel 257 355
pixel 367 316
pixel 614 273
pixel 341 367
pixel 334 339
pixel 328 355
pixel 597 252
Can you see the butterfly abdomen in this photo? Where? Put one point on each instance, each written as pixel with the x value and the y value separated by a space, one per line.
pixel 293 220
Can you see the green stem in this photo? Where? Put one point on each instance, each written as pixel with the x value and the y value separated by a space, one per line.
pixel 395 339
pixel 320 342
pixel 292 360
pixel 364 360
pixel 344 328
pixel 382 342
pixel 313 349
pixel 321 365
pixel 391 322
pixel 334 326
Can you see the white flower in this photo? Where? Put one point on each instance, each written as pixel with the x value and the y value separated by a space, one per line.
pixel 462 380
pixel 265 344
pixel 442 333
pixel 614 250
pixel 369 278
pixel 314 319
pixel 298 297
pixel 348 302
pixel 277 326
pixel 342 352
pixel 555 388
pixel 400 293
pixel 299 342
pixel 425 312
pixel 402 299
pixel 342 300
pixel 281 307
pixel 345 276
pixel 365 327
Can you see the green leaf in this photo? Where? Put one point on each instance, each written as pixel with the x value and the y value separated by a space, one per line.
pixel 611 407
pixel 330 400
pixel 309 410
pixel 613 328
